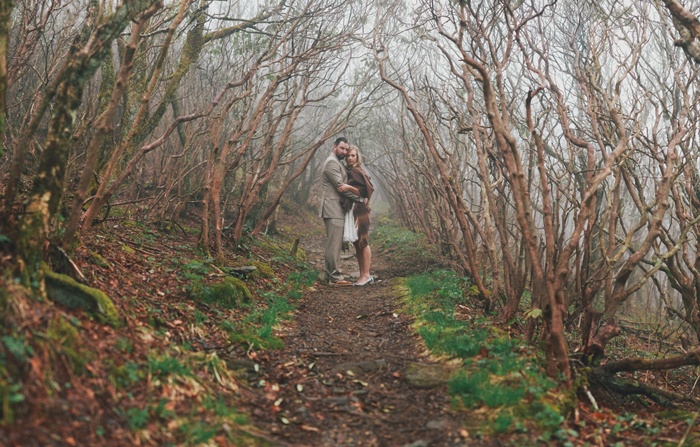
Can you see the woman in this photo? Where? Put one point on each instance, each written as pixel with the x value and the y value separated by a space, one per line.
pixel 359 184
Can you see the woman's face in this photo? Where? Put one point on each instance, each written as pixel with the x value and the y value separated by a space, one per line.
pixel 351 157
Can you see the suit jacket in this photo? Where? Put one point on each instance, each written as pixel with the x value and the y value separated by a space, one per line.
pixel 332 175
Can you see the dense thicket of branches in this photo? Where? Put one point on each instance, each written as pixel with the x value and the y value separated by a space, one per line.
pixel 554 143
pixel 548 147
pixel 181 107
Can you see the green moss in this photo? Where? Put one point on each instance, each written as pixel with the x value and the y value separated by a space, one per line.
pixel 98 260
pixel 263 270
pixel 67 343
pixel 267 246
pixel 68 292
pixel 283 249
pixel 128 249
pixel 230 293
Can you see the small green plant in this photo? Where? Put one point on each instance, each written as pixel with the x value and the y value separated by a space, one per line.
pixel 164 366
pixel 125 375
pixel 137 418
pixel 124 344
pixel 256 329
pixel 17 346
pixel 11 394
pixel 305 278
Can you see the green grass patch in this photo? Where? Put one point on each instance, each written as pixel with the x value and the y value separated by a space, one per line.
pixel 256 329
pixel 501 376
pixel 403 243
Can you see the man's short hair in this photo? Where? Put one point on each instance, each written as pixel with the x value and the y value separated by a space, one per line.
pixel 340 140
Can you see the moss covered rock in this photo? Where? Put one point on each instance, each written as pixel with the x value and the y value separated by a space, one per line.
pixel 428 375
pixel 263 270
pixel 229 293
pixel 68 292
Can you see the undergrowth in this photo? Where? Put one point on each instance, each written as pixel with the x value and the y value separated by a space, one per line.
pixel 499 377
pixel 163 378
pixel 255 321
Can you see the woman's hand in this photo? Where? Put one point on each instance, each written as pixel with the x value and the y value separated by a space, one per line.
pixel 344 187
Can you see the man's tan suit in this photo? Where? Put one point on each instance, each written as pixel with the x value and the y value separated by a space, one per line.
pixel 332 176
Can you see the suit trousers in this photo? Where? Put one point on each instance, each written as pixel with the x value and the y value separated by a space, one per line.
pixel 334 243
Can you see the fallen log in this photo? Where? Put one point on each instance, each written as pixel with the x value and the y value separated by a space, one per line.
pixel 640 364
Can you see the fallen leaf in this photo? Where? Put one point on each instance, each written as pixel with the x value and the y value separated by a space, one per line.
pixel 285 421
pixel 309 428
pixel 300 387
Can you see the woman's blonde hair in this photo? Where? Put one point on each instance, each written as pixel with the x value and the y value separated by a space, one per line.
pixel 357 151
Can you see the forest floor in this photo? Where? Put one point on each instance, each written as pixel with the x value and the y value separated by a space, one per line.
pixel 341 379
pixel 348 368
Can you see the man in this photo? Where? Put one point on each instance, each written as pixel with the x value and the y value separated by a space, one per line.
pixel 332 176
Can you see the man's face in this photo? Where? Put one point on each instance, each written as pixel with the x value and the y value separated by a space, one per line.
pixel 341 150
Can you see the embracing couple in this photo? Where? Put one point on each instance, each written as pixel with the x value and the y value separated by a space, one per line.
pixel 346 189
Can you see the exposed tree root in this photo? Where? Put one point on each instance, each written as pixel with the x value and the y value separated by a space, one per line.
pixel 600 377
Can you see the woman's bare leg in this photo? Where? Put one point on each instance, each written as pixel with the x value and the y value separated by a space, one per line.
pixel 360 261
pixel 366 260
pixel 364 257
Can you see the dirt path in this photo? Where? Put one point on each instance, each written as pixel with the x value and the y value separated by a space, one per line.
pixel 309 397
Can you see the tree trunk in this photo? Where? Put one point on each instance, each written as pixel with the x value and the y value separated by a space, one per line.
pixel 83 60
pixel 104 126
pixel 5 10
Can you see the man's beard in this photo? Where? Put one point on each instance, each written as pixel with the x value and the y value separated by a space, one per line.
pixel 340 156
